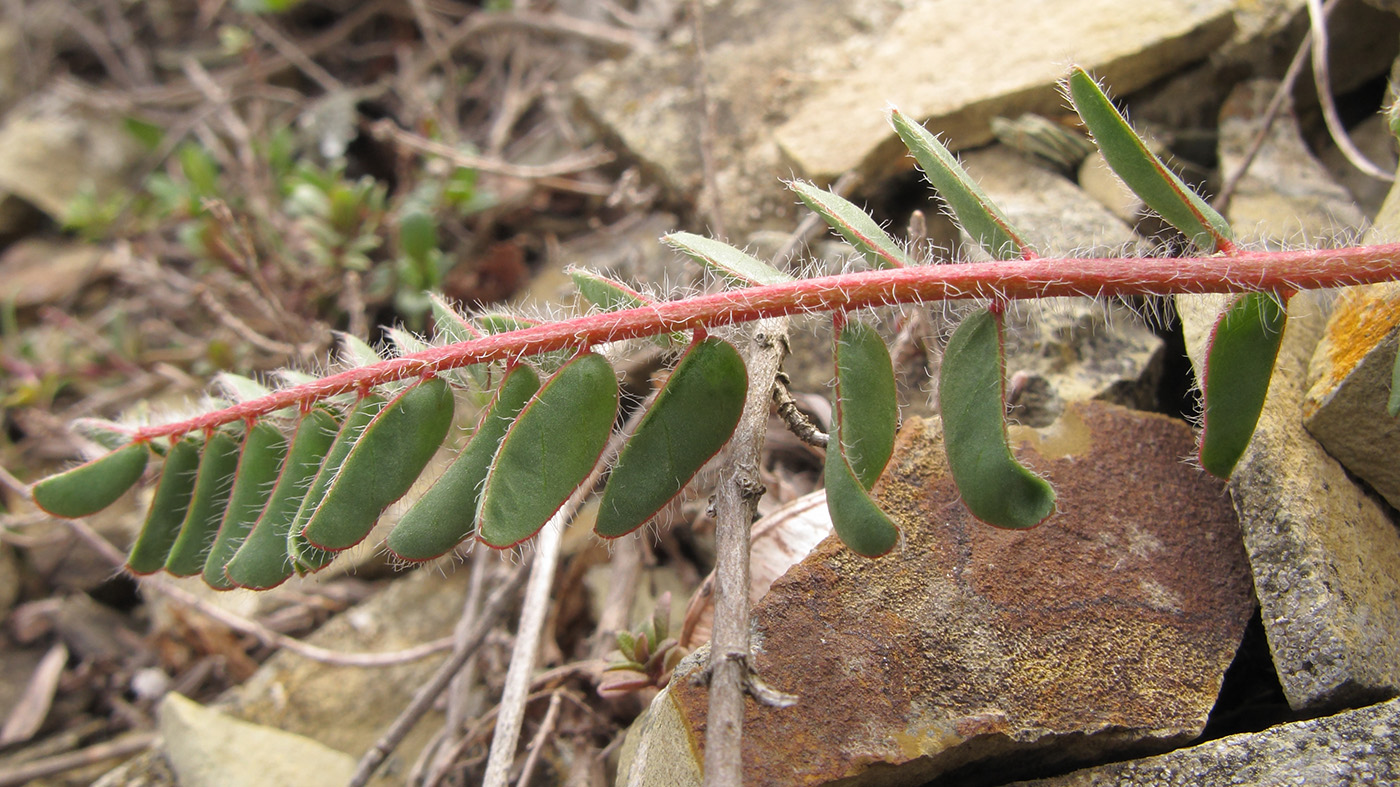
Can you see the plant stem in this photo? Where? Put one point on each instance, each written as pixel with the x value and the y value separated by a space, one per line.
pixel 736 501
pixel 1014 279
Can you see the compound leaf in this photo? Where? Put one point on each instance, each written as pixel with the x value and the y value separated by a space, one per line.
pixel 92 486
pixel 691 419
pixel 1239 364
pixel 994 486
pixel 548 451
pixel 446 513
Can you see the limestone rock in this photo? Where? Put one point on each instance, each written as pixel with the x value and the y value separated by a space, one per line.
pixel 956 66
pixel 1357 747
pixel 992 653
pixel 1325 555
pixel 207 748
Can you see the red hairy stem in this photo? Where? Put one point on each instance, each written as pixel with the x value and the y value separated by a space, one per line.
pixel 1004 280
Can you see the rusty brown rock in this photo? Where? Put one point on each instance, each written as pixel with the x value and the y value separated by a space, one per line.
pixel 1105 631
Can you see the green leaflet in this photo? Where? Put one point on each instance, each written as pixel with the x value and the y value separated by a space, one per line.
pixel 1240 362
pixel 108 434
pixel 448 325
pixel 1143 172
pixel 981 219
pixel 858 521
pixel 92 486
pixel 610 295
pixel 725 260
pixel 306 558
pixel 1392 406
pixel 405 342
pixel 262 561
pixel 855 225
pixel 605 293
pixel 238 388
pixel 548 451
pixel 446 513
pixel 862 440
pixel 263 450
pixel 497 322
pixel 995 487
pixel 212 485
pixel 355 352
pixel 866 406
pixel 168 508
pixel 691 419
pixel 382 465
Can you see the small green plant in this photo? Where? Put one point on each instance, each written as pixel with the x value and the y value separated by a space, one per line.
pixel 646 656
pixel 306 226
pixel 252 504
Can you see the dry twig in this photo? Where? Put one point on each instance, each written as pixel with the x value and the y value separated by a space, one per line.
pixel 428 693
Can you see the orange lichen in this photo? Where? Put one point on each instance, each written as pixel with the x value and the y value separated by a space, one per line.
pixel 1361 319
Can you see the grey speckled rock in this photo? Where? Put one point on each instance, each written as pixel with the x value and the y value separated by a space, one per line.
pixel 760 59
pixel 1353 748
pixel 1325 554
pixel 1287 198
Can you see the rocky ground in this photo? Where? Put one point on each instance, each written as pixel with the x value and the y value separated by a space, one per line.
pixel 185 190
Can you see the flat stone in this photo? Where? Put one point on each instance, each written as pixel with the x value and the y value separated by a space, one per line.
pixel 988 653
pixel 1325 554
pixel 955 66
pixel 1356 747
pixel 207 748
